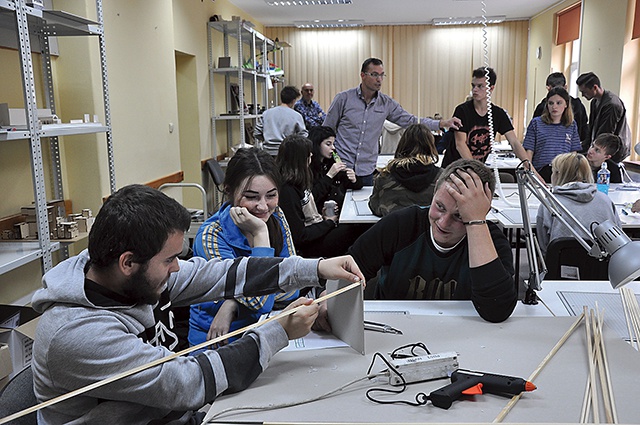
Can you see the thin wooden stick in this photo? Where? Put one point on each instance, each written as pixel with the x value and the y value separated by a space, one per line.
pixel 597 338
pixel 632 301
pixel 205 344
pixel 632 314
pixel 586 403
pixel 627 316
pixel 592 371
pixel 607 374
pixel 542 364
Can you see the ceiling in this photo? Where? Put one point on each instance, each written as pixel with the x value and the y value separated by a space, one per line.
pixel 377 12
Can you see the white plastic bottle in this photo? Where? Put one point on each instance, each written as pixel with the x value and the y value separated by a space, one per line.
pixel 604 176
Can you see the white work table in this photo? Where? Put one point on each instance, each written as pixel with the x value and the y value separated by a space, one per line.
pixel 508 213
pixel 515 347
pixel 355 208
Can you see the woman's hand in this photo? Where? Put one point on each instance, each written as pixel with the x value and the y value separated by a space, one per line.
pixel 252 227
pixel 335 169
pixel 222 321
pixel 351 175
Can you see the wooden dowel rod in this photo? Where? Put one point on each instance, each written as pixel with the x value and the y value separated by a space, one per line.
pixel 536 372
pixel 605 363
pixel 593 396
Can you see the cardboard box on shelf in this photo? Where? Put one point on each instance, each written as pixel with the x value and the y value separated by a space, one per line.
pixel 22 230
pixel 85 223
pixel 30 213
pixel 17 330
pixel 5 365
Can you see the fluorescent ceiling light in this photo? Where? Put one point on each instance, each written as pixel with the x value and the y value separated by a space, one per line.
pixel 305 2
pixel 468 21
pixel 340 23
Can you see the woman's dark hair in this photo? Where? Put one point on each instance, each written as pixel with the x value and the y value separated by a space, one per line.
pixel 136 218
pixel 317 135
pixel 243 166
pixel 567 115
pixel 293 161
pixel 416 143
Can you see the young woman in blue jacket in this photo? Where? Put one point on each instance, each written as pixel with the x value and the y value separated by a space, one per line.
pixel 249 223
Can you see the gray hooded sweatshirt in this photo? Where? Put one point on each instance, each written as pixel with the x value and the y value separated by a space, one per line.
pixel 78 343
pixel 587 205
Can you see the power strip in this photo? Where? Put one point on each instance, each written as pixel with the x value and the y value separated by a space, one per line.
pixel 423 368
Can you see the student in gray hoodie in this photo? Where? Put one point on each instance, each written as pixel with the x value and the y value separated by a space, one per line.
pixel 573 185
pixel 108 310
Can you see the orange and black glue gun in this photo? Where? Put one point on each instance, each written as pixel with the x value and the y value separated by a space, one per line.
pixel 468 382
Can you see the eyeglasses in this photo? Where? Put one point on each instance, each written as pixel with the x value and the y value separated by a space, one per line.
pixel 375 75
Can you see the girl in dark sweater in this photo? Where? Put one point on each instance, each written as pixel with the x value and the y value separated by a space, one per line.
pixel 331 176
pixel 314 234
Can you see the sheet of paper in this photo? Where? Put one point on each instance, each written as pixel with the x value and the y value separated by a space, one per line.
pixel 362 207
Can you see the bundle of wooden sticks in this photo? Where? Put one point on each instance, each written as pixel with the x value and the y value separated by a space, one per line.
pixel 599 376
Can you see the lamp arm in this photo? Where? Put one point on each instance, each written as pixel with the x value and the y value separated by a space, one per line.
pixel 607 240
pixel 537 266
pixel 527 179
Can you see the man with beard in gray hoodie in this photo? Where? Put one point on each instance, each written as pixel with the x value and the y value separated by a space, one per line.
pixel 108 311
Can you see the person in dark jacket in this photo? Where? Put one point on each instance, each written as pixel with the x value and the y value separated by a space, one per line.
pixel 314 234
pixel 331 176
pixel 448 251
pixel 410 177
pixel 604 149
pixel 557 79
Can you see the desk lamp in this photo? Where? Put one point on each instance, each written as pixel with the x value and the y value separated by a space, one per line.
pixel 627 181
pixel 606 242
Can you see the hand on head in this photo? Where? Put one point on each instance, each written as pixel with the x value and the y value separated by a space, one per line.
pixel 472 197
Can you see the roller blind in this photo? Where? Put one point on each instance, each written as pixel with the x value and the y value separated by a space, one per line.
pixel 636 22
pixel 568 28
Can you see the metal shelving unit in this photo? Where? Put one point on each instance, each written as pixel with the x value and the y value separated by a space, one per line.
pixel 30 23
pixel 251 47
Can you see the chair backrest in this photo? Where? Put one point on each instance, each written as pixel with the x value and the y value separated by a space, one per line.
pixel 215 171
pixel 17 396
pixel 567 259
